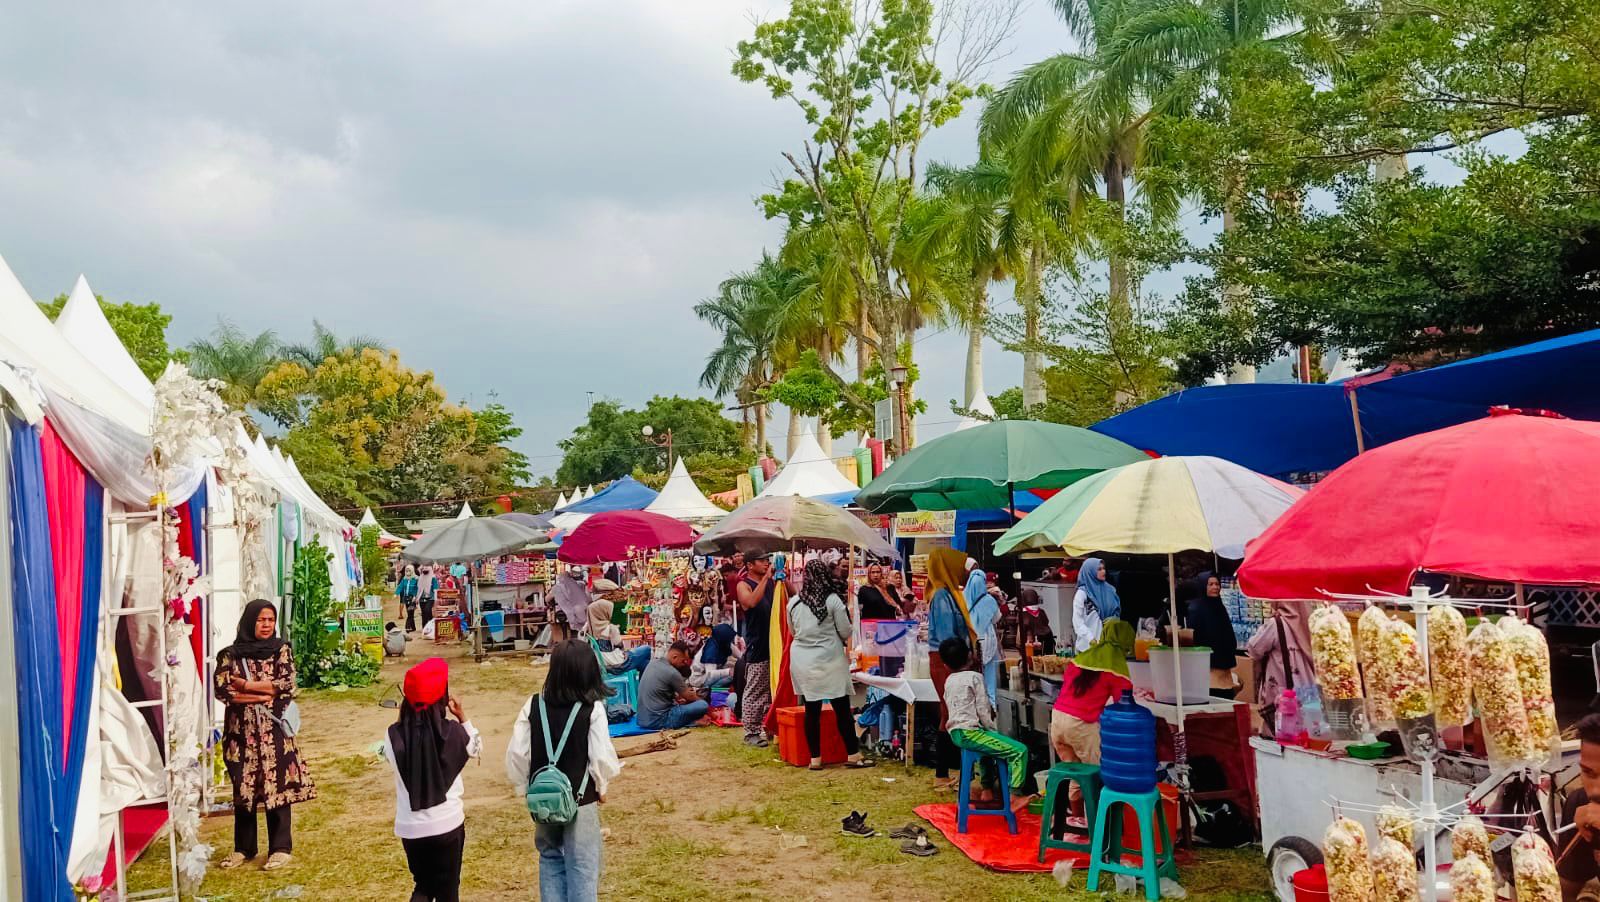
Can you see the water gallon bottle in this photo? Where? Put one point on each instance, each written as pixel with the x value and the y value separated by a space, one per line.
pixel 1291 729
pixel 1128 746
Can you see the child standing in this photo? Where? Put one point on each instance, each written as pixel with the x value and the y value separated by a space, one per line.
pixel 971 722
pixel 428 752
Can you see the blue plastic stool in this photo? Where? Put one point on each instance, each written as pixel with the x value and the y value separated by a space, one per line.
pixel 1087 776
pixel 969 761
pixel 626 686
pixel 1152 866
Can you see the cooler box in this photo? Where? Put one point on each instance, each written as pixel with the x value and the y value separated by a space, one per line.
pixel 792 737
pixel 1130 820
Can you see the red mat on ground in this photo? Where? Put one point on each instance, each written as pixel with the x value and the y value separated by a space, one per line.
pixel 139 828
pixel 988 843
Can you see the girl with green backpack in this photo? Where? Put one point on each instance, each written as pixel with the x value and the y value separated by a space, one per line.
pixel 561 759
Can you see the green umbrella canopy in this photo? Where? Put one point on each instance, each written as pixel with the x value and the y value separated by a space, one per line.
pixel 977 468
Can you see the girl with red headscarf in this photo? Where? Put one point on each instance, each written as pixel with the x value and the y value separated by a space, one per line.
pixel 428 751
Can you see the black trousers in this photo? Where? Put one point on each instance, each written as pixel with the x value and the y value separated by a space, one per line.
pixel 841 713
pixel 280 838
pixel 410 604
pixel 435 863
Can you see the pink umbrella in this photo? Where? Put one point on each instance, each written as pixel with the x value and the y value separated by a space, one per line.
pixel 618 535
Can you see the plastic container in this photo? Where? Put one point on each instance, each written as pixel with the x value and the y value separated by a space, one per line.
pixel 1370 751
pixel 1144 679
pixel 1311 884
pixel 792 738
pixel 1290 729
pixel 1196 674
pixel 1128 746
pixel 889 638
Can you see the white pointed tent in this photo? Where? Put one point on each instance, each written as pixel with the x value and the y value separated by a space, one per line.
pixel 367 519
pixel 978 403
pixel 681 499
pixel 809 473
pixel 466 512
pixel 84 324
pixel 561 502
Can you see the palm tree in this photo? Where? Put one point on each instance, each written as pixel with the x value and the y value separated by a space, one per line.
pixel 746 310
pixel 1080 122
pixel 236 360
pixel 325 344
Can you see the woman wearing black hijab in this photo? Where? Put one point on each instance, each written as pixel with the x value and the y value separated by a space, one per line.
pixel 428 751
pixel 255 678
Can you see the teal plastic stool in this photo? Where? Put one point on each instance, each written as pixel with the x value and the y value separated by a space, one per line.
pixel 969 761
pixel 1052 820
pixel 626 688
pixel 1152 815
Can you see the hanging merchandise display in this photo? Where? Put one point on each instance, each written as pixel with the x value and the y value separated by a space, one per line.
pixel 1531 654
pixel 1397 824
pixel 1333 655
pixel 1471 880
pixel 1499 696
pixel 1451 664
pixel 1411 698
pixel 1469 838
pixel 1344 849
pixel 1534 870
pixel 1394 872
pixel 1376 672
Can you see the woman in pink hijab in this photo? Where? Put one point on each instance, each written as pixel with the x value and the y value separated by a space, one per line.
pixel 1269 652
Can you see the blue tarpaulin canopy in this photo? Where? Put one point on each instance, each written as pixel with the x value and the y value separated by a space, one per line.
pixel 1278 429
pixel 626 494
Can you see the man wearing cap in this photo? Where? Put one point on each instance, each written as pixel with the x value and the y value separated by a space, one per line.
pixel 754 595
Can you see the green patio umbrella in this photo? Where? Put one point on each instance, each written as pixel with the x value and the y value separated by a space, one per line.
pixel 979 468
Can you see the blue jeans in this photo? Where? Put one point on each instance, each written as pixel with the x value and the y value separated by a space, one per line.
pixel 991 678
pixel 638 659
pixel 569 857
pixel 680 716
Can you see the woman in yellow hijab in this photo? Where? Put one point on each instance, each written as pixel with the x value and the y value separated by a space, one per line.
pixel 948 618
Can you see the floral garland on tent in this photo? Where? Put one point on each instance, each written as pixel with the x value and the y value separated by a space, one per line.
pixel 189 415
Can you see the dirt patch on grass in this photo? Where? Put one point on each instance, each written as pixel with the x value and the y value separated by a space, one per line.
pixel 711 818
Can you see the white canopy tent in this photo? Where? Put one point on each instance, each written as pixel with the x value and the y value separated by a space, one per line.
pixel 561 502
pixel 84 325
pixel 681 499
pixel 809 473
pixel 466 512
pixel 367 519
pixel 979 404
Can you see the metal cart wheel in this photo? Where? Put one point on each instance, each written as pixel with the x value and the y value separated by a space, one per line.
pixel 1287 857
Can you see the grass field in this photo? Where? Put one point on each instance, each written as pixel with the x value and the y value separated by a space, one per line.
pixel 709 819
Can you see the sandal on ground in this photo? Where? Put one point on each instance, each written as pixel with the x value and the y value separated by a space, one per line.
pixel 919 847
pixel 864 762
pixel 277 860
pixel 233 861
pixel 909 831
pixel 815 765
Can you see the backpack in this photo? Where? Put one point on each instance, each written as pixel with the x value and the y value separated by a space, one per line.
pixel 550 797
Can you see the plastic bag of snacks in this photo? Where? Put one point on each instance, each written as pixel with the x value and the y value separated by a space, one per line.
pixel 1471 880
pixel 1333 651
pixel 1531 654
pixel 1452 666
pixel 1499 696
pixel 1344 851
pixel 1376 668
pixel 1396 823
pixel 1406 672
pixel 1469 838
pixel 1394 872
pixel 1535 870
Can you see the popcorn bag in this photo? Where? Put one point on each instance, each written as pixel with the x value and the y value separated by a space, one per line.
pixel 1471 880
pixel 1410 694
pixel 1535 870
pixel 1531 654
pixel 1333 654
pixel 1377 670
pixel 1498 693
pixel 1469 838
pixel 1394 872
pixel 1344 852
pixel 1452 666
pixel 1397 824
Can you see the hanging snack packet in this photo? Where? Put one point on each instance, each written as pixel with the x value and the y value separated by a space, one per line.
pixel 1333 652
pixel 1469 838
pixel 1376 670
pixel 1344 851
pixel 1471 880
pixel 1535 870
pixel 1394 872
pixel 1397 824
pixel 1452 666
pixel 1532 656
pixel 1405 671
pixel 1499 696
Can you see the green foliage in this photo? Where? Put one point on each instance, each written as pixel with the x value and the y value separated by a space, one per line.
pixel 374 563
pixel 237 360
pixel 610 443
pixel 142 329
pixel 350 666
pixel 312 606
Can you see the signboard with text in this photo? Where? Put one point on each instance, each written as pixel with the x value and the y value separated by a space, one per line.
pixel 925 524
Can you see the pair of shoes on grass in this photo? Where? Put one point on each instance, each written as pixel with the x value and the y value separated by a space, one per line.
pixel 855 824
pixel 274 861
pixel 916 841
pixel 756 742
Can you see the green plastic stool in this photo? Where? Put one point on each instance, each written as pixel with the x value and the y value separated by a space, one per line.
pixel 1087 776
pixel 1152 866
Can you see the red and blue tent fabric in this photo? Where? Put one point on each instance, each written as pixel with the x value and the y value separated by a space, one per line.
pixel 55 514
pixel 625 494
pixel 1280 429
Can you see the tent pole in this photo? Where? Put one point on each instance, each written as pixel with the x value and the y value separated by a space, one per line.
pixel 1355 416
pixel 1022 635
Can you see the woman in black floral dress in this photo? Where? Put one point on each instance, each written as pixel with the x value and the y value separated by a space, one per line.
pixel 255 677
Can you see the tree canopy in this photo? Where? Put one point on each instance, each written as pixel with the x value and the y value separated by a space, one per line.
pixel 142 329
pixel 610 443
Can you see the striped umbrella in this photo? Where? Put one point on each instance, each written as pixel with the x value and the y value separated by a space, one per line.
pixel 1159 506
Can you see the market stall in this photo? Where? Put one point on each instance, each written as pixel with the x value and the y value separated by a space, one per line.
pixel 469 542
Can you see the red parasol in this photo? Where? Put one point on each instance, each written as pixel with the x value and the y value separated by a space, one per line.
pixel 617 535
pixel 1513 497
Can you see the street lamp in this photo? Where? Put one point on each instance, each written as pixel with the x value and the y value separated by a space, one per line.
pixel 649 432
pixel 900 376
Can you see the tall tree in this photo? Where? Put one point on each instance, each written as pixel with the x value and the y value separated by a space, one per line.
pixel 142 329
pixel 610 442
pixel 749 311
pixel 324 344
pixel 237 360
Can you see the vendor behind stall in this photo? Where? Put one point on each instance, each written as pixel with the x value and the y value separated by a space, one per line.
pixel 1210 626
pixel 1578 862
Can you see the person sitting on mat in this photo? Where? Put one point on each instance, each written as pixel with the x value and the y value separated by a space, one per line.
pixel 666 701
pixel 971 722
